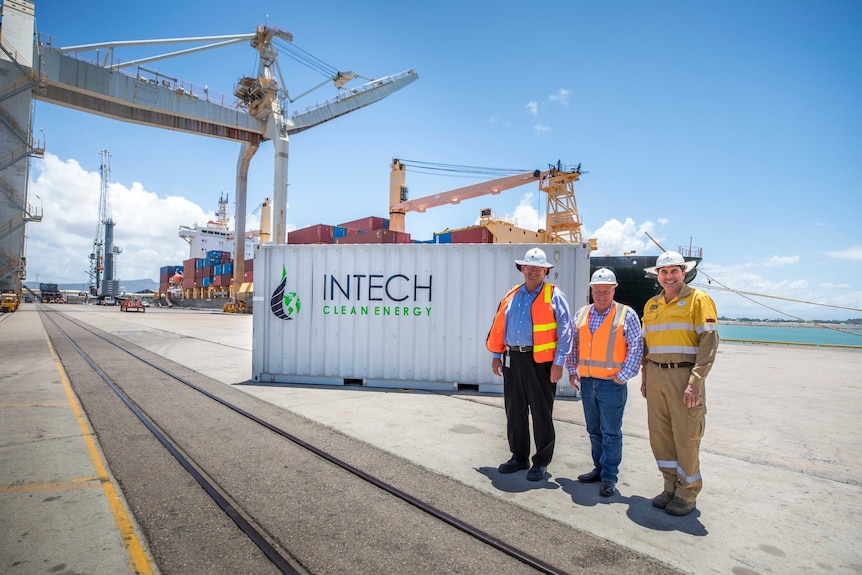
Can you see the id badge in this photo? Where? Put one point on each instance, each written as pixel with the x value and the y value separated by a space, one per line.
pixel 506 360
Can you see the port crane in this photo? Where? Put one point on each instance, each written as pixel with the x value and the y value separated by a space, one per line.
pixel 102 258
pixel 32 68
pixel 562 224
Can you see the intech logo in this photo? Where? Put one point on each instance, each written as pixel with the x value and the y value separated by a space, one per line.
pixel 284 305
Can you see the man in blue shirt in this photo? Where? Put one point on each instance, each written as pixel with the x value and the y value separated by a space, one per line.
pixel 606 352
pixel 530 339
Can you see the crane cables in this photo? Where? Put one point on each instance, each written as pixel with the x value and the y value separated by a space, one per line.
pixel 743 295
pixel 439 169
pixel 310 61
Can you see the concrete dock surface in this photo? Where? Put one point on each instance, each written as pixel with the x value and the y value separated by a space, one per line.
pixel 781 457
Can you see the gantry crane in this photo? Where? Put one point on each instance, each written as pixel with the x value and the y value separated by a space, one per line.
pixel 563 224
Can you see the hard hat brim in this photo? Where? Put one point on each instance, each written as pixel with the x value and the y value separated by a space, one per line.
pixel 689 265
pixel 519 263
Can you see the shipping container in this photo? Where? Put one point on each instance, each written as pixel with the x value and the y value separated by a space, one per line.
pixel 367 224
pixel 317 234
pixel 189 282
pixel 376 237
pixel 249 265
pixel 222 280
pixel 248 276
pixel 401 316
pixel 474 235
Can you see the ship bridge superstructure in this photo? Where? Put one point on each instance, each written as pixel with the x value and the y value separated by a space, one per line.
pixel 91 78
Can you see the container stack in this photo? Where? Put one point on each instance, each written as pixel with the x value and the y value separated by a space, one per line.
pixel 208 277
pixel 474 235
pixel 370 230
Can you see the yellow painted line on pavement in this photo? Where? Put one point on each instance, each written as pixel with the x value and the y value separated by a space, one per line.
pixel 139 559
pixel 39 404
pixel 48 486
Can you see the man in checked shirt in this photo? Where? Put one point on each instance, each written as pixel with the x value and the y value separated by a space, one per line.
pixel 606 352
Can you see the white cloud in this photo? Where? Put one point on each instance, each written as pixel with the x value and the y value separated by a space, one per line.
pixel 561 96
pixel 616 238
pixel 532 107
pixel 851 253
pixel 526 215
pixel 778 261
pixel 541 130
pixel 146 226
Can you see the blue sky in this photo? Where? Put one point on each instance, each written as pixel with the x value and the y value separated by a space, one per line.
pixel 736 126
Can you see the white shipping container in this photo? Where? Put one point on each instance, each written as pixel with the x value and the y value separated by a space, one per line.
pixel 405 316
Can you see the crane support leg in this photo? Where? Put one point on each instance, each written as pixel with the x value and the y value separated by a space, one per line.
pixel 279 194
pixel 246 153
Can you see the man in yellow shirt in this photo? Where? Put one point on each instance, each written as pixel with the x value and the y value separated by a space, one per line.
pixel 680 327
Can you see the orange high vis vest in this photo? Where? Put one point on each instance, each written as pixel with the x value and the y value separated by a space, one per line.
pixel 603 353
pixel 544 325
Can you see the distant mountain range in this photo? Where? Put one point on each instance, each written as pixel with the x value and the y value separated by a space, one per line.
pixel 130 286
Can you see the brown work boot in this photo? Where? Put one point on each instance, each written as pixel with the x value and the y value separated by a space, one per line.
pixel 662 499
pixel 679 507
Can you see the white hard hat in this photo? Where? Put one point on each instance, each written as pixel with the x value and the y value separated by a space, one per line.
pixel 603 276
pixel 671 259
pixel 534 257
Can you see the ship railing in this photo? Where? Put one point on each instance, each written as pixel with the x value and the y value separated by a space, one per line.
pixel 690 251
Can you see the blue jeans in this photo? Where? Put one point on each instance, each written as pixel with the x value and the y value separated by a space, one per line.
pixel 604 402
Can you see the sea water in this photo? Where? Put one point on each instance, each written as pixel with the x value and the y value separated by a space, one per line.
pixel 800 334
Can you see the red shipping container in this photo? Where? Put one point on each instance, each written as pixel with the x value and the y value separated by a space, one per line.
pixel 163 286
pixel 222 280
pixel 249 265
pixel 319 234
pixel 475 235
pixel 367 224
pixel 377 237
pixel 188 282
pixel 248 277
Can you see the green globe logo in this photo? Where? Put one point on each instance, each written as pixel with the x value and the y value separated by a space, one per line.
pixel 292 303
pixel 284 304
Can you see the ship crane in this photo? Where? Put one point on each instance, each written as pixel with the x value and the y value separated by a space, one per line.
pixel 563 224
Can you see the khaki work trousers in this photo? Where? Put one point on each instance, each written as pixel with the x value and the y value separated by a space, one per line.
pixel 675 430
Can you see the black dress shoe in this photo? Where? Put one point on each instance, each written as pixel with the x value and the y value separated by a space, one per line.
pixel 591 477
pixel 536 473
pixel 512 466
pixel 607 489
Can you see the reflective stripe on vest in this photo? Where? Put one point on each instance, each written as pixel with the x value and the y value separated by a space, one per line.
pixel 544 325
pixel 603 353
pixel 670 329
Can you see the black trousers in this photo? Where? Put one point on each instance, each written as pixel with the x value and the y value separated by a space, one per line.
pixel 527 390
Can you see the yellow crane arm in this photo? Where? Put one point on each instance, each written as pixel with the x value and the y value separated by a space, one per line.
pixel 467 192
